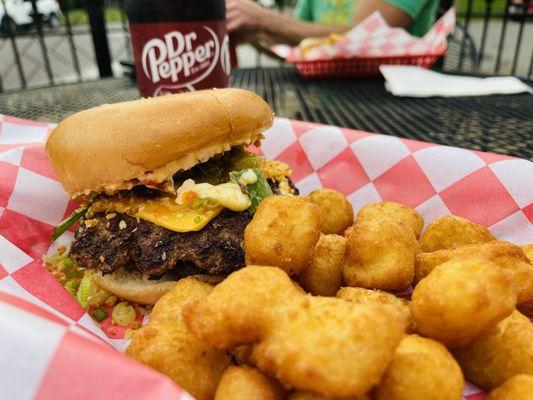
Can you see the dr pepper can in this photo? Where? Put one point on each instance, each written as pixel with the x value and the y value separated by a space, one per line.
pixel 179 45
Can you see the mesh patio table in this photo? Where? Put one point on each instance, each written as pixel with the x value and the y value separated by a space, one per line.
pixel 500 124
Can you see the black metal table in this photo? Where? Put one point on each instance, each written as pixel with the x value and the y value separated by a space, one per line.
pixel 501 124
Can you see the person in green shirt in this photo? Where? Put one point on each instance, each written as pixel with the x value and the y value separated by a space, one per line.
pixel 316 18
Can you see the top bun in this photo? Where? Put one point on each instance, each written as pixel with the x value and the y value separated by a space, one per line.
pixel 117 146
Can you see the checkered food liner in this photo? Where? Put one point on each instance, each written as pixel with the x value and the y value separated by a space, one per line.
pixel 373 37
pixel 51 349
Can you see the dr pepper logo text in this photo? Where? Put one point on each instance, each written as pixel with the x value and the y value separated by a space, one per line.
pixel 186 58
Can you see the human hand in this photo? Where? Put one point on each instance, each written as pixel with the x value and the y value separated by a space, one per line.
pixel 245 15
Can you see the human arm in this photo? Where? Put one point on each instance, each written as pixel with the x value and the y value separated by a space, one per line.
pixel 394 15
pixel 245 15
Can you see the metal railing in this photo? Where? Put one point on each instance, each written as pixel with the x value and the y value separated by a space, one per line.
pixel 506 28
pixel 36 54
pixel 492 37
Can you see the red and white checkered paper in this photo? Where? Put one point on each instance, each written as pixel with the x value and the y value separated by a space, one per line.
pixel 51 349
pixel 373 37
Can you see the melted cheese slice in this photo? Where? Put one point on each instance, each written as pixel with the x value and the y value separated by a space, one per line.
pixel 174 213
pixel 163 212
pixel 227 194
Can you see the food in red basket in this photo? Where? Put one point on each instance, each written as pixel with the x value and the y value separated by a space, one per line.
pixel 166 185
pixel 380 254
pixel 450 231
pixel 245 383
pixel 519 387
pixel 421 368
pixel 321 344
pixel 166 344
pixel 461 299
pixel 502 352
pixel 504 254
pixel 308 44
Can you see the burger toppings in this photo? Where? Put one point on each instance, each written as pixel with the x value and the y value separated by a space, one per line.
pixel 253 183
pixel 192 215
pixel 99 303
pixel 228 195
pixel 67 223
pixel 237 180
pixel 86 290
pixel 123 314
pixel 198 228
pixel 247 177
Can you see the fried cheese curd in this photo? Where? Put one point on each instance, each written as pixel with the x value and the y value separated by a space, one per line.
pixel 319 344
pixel 302 395
pixel 450 231
pixel 392 209
pixel 502 352
pixel 246 383
pixel 421 368
pixel 167 345
pixel 243 354
pixel 519 387
pixel 324 276
pixel 379 297
pixel 461 299
pixel 528 251
pixel 335 210
pixel 527 306
pixel 283 233
pixel 505 255
pixel 380 254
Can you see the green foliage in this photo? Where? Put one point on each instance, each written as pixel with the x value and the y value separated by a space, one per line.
pixel 479 6
pixel 80 16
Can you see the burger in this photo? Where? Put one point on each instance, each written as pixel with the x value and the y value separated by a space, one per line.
pixel 166 185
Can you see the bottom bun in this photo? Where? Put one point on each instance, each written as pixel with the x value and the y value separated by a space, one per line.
pixel 134 286
pixel 137 288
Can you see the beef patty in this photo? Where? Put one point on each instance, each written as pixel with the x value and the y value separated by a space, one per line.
pixel 108 244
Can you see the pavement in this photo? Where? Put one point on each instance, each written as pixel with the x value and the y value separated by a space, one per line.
pixel 494 31
pixel 62 60
pixel 60 56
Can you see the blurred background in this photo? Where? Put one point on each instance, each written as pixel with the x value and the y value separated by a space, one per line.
pixel 48 42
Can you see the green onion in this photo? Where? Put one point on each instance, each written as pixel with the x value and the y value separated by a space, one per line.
pixel 257 191
pixel 197 219
pixel 123 314
pixel 67 223
pixel 196 203
pixel 240 158
pixel 68 264
pixel 211 203
pixel 99 314
pixel 74 275
pixel 86 290
pixel 72 287
pixel 247 160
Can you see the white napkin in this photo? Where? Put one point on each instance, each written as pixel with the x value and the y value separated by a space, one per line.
pixel 410 81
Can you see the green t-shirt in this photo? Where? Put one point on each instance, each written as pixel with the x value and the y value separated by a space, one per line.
pixel 340 12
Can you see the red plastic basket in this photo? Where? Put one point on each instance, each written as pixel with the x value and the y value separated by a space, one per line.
pixel 358 66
